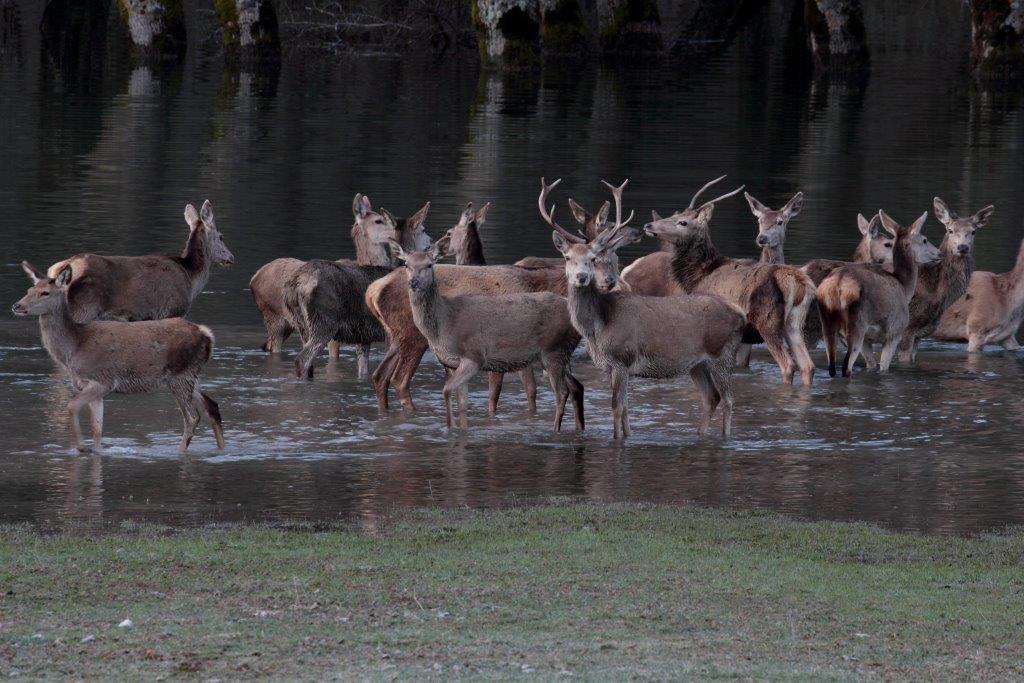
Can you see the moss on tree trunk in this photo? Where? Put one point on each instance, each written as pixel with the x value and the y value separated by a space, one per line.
pixel 997 39
pixel 629 26
pixel 835 29
pixel 508 32
pixel 248 28
pixel 156 27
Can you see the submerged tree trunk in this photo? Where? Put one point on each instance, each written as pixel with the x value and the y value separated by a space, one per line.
pixel 248 28
pixel 836 32
pixel 629 26
pixel 997 38
pixel 156 27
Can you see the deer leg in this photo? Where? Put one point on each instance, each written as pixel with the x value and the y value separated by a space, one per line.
pixel 829 327
pixel 907 349
pixel 721 378
pixel 404 370
pixel 183 389
pixel 362 361
pixel 311 348
pixel 620 387
pixel 854 343
pixel 334 349
pixel 382 378
pixel 91 391
pixel 868 354
pixel 576 392
pixel 530 387
pixel 96 415
pixel 708 396
pixel 494 382
pixel 458 378
pixel 798 348
pixel 1011 343
pixel 556 376
pixel 278 329
pixel 208 407
pixel 976 344
pixel 888 351
pixel 743 355
pixel 777 348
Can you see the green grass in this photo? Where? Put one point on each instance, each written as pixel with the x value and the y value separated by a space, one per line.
pixel 598 592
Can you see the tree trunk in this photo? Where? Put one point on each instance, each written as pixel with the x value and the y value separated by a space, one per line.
pixel 836 32
pixel 629 26
pixel 156 27
pixel 249 29
pixel 997 38
pixel 508 32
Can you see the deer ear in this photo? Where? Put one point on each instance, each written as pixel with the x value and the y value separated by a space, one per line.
pixel 419 218
pixel 561 244
pixel 942 212
pixel 578 212
pixel 655 216
pixel 206 213
pixel 481 214
pixel 794 205
pixel 388 218
pixel 440 249
pixel 888 223
pixel 864 226
pixel 756 207
pixel 191 216
pixel 916 226
pixel 467 214
pixel 980 219
pixel 63 278
pixel 396 250
pixel 602 214
pixel 33 273
pixel 704 214
pixel 361 206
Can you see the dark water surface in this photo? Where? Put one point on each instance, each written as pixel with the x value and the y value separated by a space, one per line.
pixel 107 162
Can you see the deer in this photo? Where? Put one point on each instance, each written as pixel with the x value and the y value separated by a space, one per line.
pixel 494 333
pixel 942 283
pixel 771 226
pixel 388 300
pixel 774 297
pixel 267 284
pixel 103 357
pixel 990 312
pixel 865 301
pixel 151 287
pixel 630 335
pixel 326 299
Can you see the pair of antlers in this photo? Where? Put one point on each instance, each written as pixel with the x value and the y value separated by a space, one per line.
pixel 613 235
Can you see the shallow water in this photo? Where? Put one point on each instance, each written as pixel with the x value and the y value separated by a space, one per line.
pixel 106 163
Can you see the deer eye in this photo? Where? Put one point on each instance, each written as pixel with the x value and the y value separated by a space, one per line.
pixel 683 224
pixel 779 222
pixel 973 231
pixel 888 245
pixel 46 294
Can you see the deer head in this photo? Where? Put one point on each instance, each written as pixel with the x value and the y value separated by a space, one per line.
pixel 960 231
pixel 459 234
pixel 771 225
pixel 202 224
pixel 414 233
pixel 875 246
pixel 45 295
pixel 596 231
pixel 371 228
pixel 582 257
pixel 689 223
pixel 419 265
pixel 923 251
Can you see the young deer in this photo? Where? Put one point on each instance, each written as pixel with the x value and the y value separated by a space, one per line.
pixel 149 287
pixel 942 283
pixel 775 297
pixel 863 300
pixel 771 226
pixel 267 284
pixel 122 357
pixel 495 333
pixel 657 337
pixel 990 312
pixel 465 245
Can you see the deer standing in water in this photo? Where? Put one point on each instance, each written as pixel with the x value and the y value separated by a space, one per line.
pixel 864 301
pixel 942 283
pixel 774 297
pixel 629 335
pixel 990 312
pixel 121 357
pixel 495 333
pixel 267 284
pixel 148 287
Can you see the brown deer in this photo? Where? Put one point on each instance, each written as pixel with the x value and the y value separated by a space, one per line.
pixel 864 301
pixel 774 297
pixel 771 226
pixel 942 283
pixel 990 312
pixel 495 333
pixel 151 287
pixel 631 335
pixel 121 357
pixel 465 245
pixel 267 284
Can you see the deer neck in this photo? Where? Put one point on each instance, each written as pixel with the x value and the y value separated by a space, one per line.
pixel 60 332
pixel 369 254
pixel 950 276
pixel 585 311
pixel 772 255
pixel 197 260
pixel 694 259
pixel 472 252
pixel 905 268
pixel 1015 279
pixel 429 309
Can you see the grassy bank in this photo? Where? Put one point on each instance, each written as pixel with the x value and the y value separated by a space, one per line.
pixel 591 591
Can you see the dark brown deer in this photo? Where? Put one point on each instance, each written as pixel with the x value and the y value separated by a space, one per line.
pixel 121 357
pixel 149 287
pixel 267 284
pixel 990 312
pixel 942 283
pixel 494 333
pixel 631 335
pixel 863 301
pixel 775 297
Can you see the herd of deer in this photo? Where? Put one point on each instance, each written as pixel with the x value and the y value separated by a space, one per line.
pixel 113 322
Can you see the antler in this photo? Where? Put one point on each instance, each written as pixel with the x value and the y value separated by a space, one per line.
pixel 549 216
pixel 724 196
pixel 610 235
pixel 716 180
